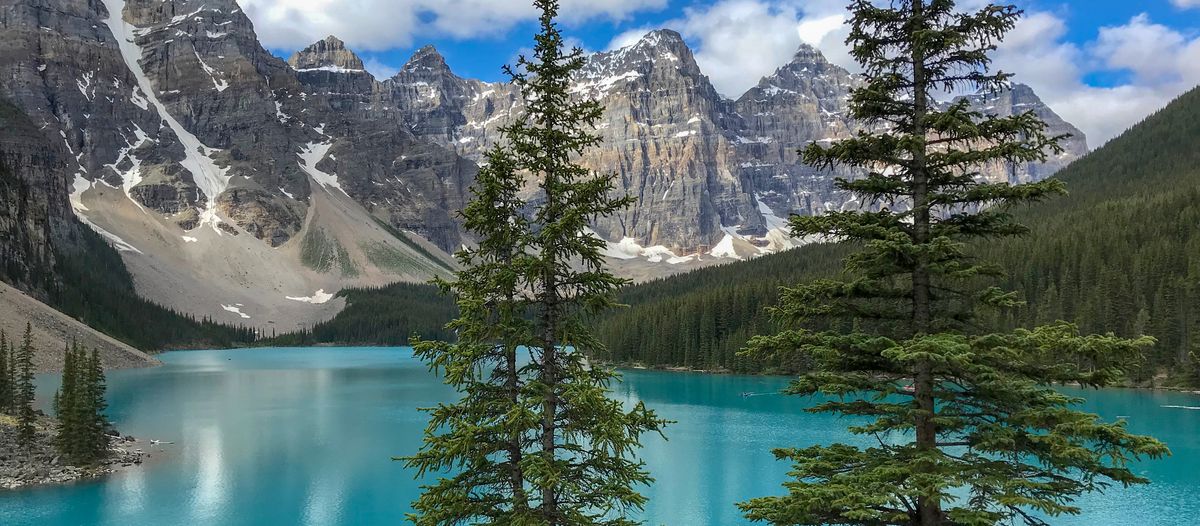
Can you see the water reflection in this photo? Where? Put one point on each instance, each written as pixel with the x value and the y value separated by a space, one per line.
pixel 267 437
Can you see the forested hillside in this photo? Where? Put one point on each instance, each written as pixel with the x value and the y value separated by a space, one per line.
pixel 1121 253
pixel 382 316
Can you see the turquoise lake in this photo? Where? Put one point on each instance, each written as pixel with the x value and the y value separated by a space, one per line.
pixel 305 436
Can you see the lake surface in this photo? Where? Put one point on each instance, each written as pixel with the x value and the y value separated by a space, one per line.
pixel 305 436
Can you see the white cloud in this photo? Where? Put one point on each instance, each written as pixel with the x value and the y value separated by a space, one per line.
pixel 628 38
pixel 380 70
pixel 1161 62
pixel 378 25
pixel 741 41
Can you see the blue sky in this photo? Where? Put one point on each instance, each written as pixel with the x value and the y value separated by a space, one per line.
pixel 1101 64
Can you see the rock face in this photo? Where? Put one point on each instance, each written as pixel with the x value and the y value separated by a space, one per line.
pixel 185 142
pixel 232 180
pixel 34 208
pixel 1019 99
pixel 712 176
pixel 803 101
pixel 330 54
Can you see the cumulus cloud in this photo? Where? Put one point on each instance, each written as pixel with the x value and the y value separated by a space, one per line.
pixel 1161 63
pixel 378 25
pixel 628 38
pixel 379 69
pixel 739 41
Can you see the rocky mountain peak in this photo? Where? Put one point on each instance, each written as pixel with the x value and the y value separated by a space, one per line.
pixel 662 46
pixel 426 59
pixel 662 38
pixel 658 55
pixel 808 55
pixel 328 54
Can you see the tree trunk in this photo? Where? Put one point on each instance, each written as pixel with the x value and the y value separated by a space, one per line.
pixel 516 474
pixel 929 509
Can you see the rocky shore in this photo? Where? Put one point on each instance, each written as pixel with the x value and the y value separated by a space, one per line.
pixel 43 465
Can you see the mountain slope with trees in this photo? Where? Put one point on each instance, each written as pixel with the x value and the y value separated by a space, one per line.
pixel 1120 253
pixel 47 252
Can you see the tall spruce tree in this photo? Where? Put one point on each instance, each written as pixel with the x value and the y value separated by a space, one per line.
pixel 23 391
pixel 484 436
pixel 966 426
pixel 536 441
pixel 5 377
pixel 66 408
pixel 94 405
pixel 12 376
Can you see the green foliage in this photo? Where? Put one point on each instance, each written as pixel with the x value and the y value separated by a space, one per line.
pixel 23 391
pixel 534 442
pixel 79 405
pixel 388 315
pixel 390 258
pixel 6 375
pixel 977 436
pixel 1124 242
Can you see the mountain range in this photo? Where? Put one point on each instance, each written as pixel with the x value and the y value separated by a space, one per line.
pixel 247 189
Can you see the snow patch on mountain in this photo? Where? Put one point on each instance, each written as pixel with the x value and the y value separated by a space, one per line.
pixel 628 248
pixel 724 249
pixel 236 309
pixel 210 178
pixel 310 156
pixel 318 297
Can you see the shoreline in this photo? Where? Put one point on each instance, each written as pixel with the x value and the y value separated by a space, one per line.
pixel 41 467
pixel 635 366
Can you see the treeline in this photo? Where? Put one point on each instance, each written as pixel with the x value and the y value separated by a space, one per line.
pixel 703 318
pixel 1120 254
pixel 388 315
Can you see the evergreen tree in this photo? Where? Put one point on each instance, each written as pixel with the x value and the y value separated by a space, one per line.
pixel 977 436
pixel 80 409
pixel 485 434
pixel 66 408
pixel 5 382
pixel 539 443
pixel 93 407
pixel 23 391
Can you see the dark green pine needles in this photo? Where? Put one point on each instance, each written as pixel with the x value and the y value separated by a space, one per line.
pixel 6 375
pixel 535 439
pixel 23 390
pixel 79 405
pixel 967 430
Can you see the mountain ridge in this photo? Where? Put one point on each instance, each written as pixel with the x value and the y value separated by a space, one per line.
pixel 230 179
